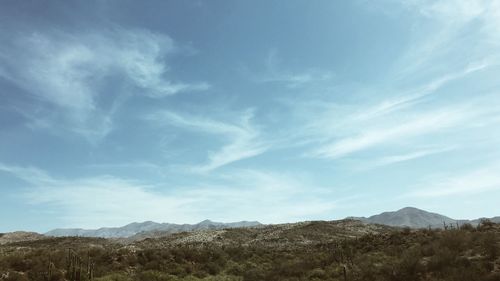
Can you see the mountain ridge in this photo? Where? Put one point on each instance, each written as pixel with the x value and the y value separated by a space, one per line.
pixel 136 228
pixel 416 218
pixel 406 217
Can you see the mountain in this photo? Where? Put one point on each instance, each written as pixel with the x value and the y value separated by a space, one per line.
pixel 409 216
pixel 494 219
pixel 286 235
pixel 416 218
pixel 146 227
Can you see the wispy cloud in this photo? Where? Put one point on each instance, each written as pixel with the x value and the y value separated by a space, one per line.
pixel 476 181
pixel 418 125
pixel 335 132
pixel 241 137
pixel 414 96
pixel 274 73
pixel 72 73
pixel 293 80
pixel 279 197
pixel 451 11
pixel 250 194
pixel 31 175
pixel 443 29
pixel 113 200
pixel 393 159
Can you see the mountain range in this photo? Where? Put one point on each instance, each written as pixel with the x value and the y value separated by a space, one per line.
pixel 138 228
pixel 406 217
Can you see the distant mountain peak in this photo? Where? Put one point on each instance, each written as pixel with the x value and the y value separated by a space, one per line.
pixel 410 217
pixel 410 209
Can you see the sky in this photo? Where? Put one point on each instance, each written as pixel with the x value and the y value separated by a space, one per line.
pixel 277 111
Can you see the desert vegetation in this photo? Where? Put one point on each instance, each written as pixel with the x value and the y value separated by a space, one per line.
pixel 460 253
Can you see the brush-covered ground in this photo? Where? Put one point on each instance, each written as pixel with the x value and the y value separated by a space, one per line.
pixel 336 250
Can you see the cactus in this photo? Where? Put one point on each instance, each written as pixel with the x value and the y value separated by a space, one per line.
pixel 75 267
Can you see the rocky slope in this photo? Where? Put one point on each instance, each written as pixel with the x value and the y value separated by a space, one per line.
pixel 19 236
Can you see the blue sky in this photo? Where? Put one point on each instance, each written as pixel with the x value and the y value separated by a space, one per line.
pixel 276 111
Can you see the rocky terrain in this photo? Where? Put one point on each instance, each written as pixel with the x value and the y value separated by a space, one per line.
pixel 19 236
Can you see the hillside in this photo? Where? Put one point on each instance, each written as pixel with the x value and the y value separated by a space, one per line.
pixel 316 250
pixel 278 235
pixel 19 236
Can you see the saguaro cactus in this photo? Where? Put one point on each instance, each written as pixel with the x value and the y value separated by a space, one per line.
pixel 75 266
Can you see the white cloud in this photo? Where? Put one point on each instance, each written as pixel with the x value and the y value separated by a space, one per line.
pixel 452 10
pixel 449 34
pixel 242 138
pixel 491 24
pixel 267 197
pixel 388 160
pixel 418 125
pixel 110 201
pixel 29 174
pixel 334 132
pixel 71 72
pixel 429 64
pixel 100 201
pixel 342 129
pixel 414 96
pixel 294 80
pixel 473 182
pixel 275 74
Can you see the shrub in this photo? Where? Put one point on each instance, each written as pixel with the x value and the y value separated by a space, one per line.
pixel 467 227
pixel 115 277
pixel 485 224
pixel 16 276
pixel 151 275
pixel 489 246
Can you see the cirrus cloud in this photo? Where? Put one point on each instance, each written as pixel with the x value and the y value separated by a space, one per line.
pixel 69 73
